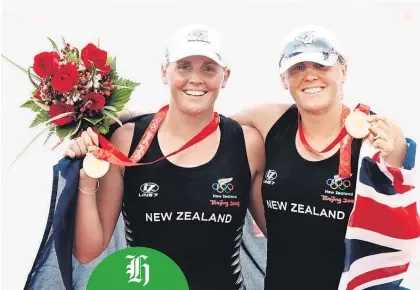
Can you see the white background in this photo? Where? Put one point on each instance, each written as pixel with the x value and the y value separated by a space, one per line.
pixel 379 38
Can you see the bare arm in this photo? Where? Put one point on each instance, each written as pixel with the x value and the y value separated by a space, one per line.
pixel 256 159
pixel 97 213
pixel 127 114
pixel 261 117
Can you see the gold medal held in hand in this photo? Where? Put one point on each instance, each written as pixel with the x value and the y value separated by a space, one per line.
pixel 357 124
pixel 94 167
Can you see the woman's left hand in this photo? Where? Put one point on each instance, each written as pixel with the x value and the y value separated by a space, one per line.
pixel 388 138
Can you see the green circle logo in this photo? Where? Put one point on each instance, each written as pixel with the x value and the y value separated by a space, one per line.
pixel 137 268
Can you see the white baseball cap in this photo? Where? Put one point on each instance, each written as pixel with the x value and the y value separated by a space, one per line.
pixel 309 43
pixel 195 39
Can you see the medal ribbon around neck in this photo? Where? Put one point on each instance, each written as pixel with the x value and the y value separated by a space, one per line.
pixel 111 154
pixel 344 138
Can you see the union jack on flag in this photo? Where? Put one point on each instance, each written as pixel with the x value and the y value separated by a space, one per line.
pixel 384 227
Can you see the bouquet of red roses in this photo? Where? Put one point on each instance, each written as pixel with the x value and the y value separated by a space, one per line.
pixel 74 91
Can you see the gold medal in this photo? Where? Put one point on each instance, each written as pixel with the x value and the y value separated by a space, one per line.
pixel 357 124
pixel 94 167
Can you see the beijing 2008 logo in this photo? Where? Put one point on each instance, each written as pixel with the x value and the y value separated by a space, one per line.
pixel 223 185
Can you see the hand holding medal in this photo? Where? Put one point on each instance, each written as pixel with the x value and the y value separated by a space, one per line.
pixel 375 127
pixel 84 145
pixel 359 124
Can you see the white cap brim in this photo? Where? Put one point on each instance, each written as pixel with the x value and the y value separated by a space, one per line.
pixel 197 48
pixel 316 57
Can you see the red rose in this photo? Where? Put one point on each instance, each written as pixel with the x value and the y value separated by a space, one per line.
pixel 46 63
pixel 91 53
pixel 61 108
pixel 65 78
pixel 97 101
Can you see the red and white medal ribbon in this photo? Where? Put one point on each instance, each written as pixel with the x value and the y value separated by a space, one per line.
pixel 354 125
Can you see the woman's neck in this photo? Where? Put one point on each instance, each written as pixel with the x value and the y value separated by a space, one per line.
pixel 185 125
pixel 325 125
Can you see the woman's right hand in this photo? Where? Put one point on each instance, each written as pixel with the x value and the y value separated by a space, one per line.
pixel 79 148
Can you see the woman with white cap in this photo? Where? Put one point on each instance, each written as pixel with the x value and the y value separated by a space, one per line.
pixel 191 206
pixel 312 164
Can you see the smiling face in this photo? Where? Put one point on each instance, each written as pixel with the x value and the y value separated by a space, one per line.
pixel 315 87
pixel 194 83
